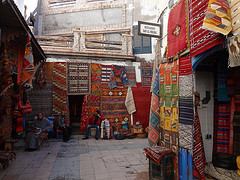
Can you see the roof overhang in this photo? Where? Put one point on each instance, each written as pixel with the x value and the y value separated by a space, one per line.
pixel 10 16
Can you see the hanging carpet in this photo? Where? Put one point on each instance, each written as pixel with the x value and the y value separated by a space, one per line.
pixel 185 66
pixel 142 103
pixel 177 29
pixel 146 74
pixel 200 39
pixel 113 105
pixel 78 78
pixel 94 99
pixel 129 102
pixel 131 75
pixel 60 88
pixel 234 50
pixel 169 110
pixel 118 76
pixel 154 121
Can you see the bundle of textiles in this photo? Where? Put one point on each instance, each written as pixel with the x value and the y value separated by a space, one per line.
pixel 220 173
pixel 5 157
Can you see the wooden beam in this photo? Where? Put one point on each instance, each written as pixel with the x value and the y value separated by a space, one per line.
pixel 104 41
pixel 60 1
pixel 103 47
pixel 57 38
pixel 53 44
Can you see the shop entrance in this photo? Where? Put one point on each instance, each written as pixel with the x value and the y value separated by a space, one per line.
pixel 75 109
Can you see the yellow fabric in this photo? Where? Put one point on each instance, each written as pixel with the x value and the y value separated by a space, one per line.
pixel 218 17
pixel 238 165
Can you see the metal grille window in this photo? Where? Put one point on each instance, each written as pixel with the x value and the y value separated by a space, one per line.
pixel 141 44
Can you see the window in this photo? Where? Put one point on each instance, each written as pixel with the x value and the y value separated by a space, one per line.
pixel 141 44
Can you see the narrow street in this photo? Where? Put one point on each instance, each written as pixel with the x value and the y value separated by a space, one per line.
pixel 77 159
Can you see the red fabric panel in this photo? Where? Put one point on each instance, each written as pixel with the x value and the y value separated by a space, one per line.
pixel 142 98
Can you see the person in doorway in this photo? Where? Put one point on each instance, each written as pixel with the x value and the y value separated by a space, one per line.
pixel 40 126
pixel 94 122
pixel 61 125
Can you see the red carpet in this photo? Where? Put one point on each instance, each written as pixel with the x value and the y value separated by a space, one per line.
pixel 142 98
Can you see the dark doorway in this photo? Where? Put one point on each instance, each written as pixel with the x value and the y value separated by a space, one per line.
pixel 75 108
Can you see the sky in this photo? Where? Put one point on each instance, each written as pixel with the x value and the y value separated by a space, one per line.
pixel 31 5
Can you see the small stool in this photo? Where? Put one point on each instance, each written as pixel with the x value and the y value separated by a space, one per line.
pixel 59 134
pixel 90 133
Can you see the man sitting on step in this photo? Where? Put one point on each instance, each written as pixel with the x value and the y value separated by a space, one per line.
pixel 94 122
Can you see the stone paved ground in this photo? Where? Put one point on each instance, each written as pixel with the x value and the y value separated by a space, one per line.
pixel 81 160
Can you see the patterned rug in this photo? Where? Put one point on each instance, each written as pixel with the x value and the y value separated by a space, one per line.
pixel 154 121
pixel 177 29
pixel 168 80
pixel 186 112
pixel 6 69
pixel 78 78
pixel 94 99
pixel 235 15
pixel 200 39
pixel 218 17
pixel 113 105
pixel 185 66
pixel 142 104
pixel 186 85
pixel 118 76
pixel 106 71
pixel 60 88
pixel 199 160
pixel 49 71
pixel 222 130
pixel 131 74
pixel 27 71
pixel 146 74
pixel 41 99
pixel 156 153
pixel 169 111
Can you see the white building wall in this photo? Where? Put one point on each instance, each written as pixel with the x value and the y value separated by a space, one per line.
pixel 205 82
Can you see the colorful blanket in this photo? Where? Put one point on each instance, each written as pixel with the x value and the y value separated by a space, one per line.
pixel 218 17
pixel 154 121
pixel 177 29
pixel 131 75
pixel 235 15
pixel 186 85
pixel 146 74
pixel 113 105
pixel 94 99
pixel 200 39
pixel 156 153
pixel 60 88
pixel 142 104
pixel 78 78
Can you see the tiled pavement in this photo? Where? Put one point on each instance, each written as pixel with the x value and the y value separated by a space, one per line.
pixel 81 159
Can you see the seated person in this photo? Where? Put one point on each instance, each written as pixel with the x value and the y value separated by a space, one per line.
pixel 61 125
pixel 94 122
pixel 40 126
